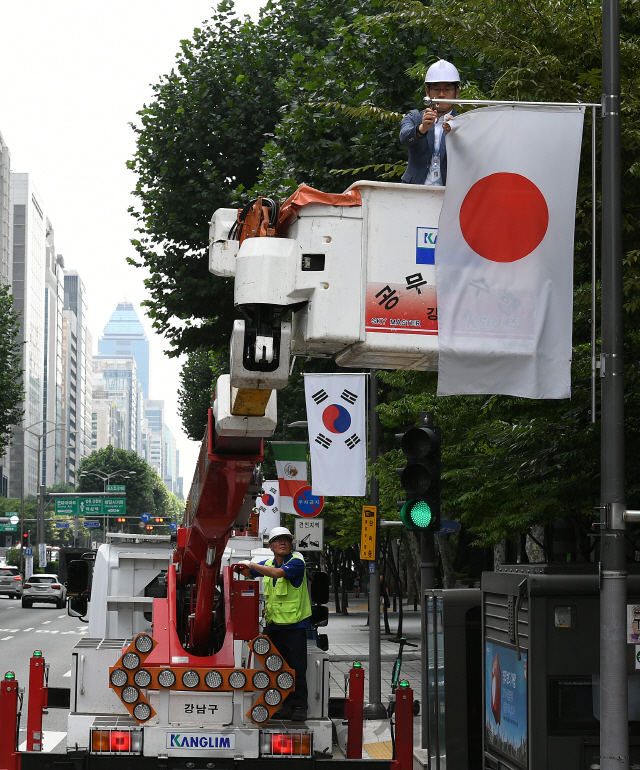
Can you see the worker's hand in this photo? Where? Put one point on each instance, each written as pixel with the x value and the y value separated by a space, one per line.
pixel 428 119
pixel 445 124
pixel 243 567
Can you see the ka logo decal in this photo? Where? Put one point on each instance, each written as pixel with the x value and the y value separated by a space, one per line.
pixel 426 238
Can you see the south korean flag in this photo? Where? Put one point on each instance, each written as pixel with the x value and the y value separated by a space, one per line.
pixel 337 433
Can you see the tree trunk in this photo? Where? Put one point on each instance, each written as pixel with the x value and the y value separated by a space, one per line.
pixel 449 575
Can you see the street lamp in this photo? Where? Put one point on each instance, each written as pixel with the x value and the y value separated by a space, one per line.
pixel 105 478
pixel 40 510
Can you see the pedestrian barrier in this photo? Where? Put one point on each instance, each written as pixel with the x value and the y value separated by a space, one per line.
pixel 354 711
pixel 9 755
pixel 38 697
pixel 403 759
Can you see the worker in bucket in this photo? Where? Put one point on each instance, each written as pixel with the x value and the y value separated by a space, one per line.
pixel 423 133
pixel 288 610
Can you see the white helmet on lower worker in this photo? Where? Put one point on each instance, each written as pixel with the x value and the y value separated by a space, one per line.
pixel 442 72
pixel 279 532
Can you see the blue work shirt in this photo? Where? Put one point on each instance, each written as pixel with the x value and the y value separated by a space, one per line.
pixel 293 572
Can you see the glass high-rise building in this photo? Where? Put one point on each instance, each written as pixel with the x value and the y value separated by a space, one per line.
pixel 124 335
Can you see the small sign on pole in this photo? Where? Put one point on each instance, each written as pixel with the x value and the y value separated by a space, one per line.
pixel 368 538
pixel 116 488
pixel 309 534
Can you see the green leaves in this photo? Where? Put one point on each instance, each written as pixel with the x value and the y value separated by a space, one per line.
pixel 11 387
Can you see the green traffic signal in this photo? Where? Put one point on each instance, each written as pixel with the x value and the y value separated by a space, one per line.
pixel 416 514
pixel 420 478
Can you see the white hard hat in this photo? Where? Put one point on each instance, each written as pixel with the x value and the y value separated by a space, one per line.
pixel 278 531
pixel 442 72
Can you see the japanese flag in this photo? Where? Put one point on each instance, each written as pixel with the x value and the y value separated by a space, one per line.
pixel 504 254
pixel 337 434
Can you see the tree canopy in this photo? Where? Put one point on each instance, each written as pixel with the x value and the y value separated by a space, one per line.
pixel 331 83
pixel 11 387
pixel 146 491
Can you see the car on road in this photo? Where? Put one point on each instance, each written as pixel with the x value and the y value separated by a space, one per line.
pixel 10 582
pixel 44 588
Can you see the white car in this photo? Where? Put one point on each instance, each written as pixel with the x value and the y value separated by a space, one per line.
pixel 10 582
pixel 44 588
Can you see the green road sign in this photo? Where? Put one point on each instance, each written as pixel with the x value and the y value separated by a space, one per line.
pixel 67 506
pixel 116 488
pixel 90 506
pixel 114 506
pixel 8 528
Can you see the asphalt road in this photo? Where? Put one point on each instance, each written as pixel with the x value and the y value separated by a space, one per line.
pixel 46 628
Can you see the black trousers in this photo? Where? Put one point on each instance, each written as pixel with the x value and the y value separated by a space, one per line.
pixel 292 645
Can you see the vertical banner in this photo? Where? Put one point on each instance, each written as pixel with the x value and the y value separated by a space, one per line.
pixel 268 505
pixel 368 536
pixel 28 567
pixel 291 464
pixel 336 414
pixel 504 253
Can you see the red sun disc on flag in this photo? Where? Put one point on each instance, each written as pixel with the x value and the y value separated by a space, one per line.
pixel 504 217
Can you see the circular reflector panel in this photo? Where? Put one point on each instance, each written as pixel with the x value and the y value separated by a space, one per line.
pixel 166 678
pixel 130 694
pixel 142 711
pixel 260 680
pixel 274 662
pixel 143 643
pixel 237 679
pixel 272 697
pixel 119 677
pixel 213 679
pixel 261 645
pixel 285 680
pixel 191 678
pixel 130 660
pixel 142 678
pixel 259 713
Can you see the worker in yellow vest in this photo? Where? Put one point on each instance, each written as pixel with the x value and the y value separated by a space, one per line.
pixel 288 610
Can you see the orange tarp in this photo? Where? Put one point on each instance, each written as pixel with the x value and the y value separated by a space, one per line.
pixel 305 195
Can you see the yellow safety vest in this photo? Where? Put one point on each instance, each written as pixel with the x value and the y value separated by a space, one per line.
pixel 286 605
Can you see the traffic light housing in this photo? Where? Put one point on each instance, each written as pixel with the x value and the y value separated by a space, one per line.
pixel 121 519
pixel 25 540
pixel 420 478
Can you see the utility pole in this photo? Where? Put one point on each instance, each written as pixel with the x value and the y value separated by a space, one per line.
pixel 374 709
pixel 614 736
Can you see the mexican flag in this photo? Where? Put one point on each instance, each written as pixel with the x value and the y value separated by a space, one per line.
pixel 291 464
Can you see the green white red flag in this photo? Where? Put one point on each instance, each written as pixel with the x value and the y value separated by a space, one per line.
pixel 291 464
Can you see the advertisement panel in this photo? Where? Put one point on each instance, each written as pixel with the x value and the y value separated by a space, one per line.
pixel 506 701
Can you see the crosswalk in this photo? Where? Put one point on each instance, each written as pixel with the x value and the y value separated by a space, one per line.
pixel 13 631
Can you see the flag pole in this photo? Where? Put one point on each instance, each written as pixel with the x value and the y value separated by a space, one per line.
pixel 374 708
pixel 614 736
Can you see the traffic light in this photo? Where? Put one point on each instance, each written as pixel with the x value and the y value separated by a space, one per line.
pixel 25 540
pixel 420 478
pixel 121 519
pixel 149 526
pixel 159 519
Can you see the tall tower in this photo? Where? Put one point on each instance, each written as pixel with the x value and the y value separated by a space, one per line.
pixel 124 335
pixel 28 283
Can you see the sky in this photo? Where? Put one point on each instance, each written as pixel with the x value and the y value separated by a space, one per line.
pixel 74 74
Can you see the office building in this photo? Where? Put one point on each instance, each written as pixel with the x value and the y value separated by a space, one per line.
pixel 124 335
pixel 154 415
pixel 117 404
pixel 28 284
pixel 76 376
pixel 6 263
pixel 6 259
pixel 170 464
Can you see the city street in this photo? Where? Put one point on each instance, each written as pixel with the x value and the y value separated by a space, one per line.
pixel 51 630
pixel 46 628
